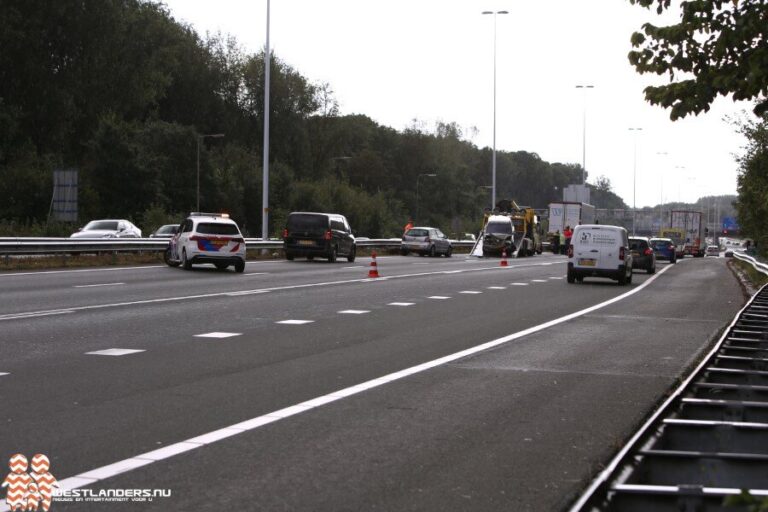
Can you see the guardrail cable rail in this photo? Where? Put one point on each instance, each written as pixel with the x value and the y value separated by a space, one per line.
pixel 708 442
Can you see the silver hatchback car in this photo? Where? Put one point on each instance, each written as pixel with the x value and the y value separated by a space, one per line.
pixel 426 240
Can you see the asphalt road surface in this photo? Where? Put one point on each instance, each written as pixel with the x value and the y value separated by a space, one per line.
pixel 447 384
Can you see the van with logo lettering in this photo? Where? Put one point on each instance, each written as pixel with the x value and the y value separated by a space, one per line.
pixel 598 250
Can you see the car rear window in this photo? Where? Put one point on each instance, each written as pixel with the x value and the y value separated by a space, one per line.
pixel 417 232
pixel 217 228
pixel 637 245
pixel 660 244
pixel 307 221
pixel 504 228
pixel 110 225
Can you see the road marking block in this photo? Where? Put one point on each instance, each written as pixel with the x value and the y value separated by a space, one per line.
pixel 218 335
pixel 519 284
pixel 295 322
pixel 402 304
pixel 353 312
pixel 2 374
pixel 114 352
pixel 497 287
pixel 96 285
pixel 471 292
pixel 438 297
pixel 538 280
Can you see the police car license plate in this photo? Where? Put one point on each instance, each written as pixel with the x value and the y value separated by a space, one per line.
pixel 587 262
pixel 306 242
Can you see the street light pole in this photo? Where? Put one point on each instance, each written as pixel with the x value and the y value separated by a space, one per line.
pixel 634 181
pixel 661 195
pixel 265 165
pixel 199 140
pixel 584 134
pixel 493 165
pixel 417 193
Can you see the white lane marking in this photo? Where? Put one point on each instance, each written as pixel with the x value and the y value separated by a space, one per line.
pixel 294 322
pixel 353 312
pixel 355 267
pixel 256 274
pixel 3 373
pixel 538 280
pixel 518 284
pixel 218 335
pixel 108 269
pixel 497 287
pixel 35 314
pixel 471 292
pixel 557 277
pixel 420 263
pixel 95 475
pixel 247 292
pixel 438 297
pixel 114 352
pixel 96 285
pixel 402 304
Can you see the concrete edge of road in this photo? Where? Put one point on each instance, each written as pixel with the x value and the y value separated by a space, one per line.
pixel 123 466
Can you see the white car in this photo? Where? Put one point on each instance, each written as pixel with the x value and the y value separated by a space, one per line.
pixel 712 250
pixel 108 228
pixel 207 238
pixel 598 250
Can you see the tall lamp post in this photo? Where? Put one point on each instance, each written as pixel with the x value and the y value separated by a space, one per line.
pixel 417 192
pixel 634 180
pixel 265 164
pixel 199 140
pixel 661 195
pixel 493 164
pixel 584 134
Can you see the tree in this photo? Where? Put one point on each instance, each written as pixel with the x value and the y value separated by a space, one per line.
pixel 752 204
pixel 717 48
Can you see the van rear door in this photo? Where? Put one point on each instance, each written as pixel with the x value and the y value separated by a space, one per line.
pixel 585 253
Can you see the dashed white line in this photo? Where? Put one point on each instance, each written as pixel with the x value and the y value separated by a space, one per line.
pixel 402 304
pixel 218 335
pixel 96 285
pixel 438 297
pixel 471 292
pixel 294 322
pixel 497 287
pixel 256 274
pixel 114 352
pixel 3 373
pixel 518 284
pixel 557 277
pixel 353 312
pixel 538 280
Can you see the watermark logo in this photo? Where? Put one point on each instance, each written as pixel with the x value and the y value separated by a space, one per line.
pixel 29 491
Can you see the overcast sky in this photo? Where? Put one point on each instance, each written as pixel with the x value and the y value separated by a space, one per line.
pixel 432 60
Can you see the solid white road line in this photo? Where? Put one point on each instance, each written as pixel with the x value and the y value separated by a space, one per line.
pixel 95 475
pixel 218 335
pixel 114 352
pixel 96 285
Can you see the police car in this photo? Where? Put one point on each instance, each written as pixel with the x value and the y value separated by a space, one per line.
pixel 207 238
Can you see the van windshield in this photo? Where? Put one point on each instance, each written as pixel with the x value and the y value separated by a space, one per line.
pixel 307 222
pixel 500 228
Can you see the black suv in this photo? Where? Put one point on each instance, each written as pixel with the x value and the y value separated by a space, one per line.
pixel 327 235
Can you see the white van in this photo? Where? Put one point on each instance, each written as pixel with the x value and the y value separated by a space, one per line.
pixel 599 251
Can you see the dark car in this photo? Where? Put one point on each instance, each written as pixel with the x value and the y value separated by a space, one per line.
pixel 425 241
pixel 166 231
pixel 643 256
pixel 327 235
pixel 664 248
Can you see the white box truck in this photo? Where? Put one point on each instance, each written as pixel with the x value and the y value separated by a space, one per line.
pixel 569 214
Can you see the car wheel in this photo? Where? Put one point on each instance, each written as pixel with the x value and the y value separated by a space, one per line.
pixel 332 255
pixel 310 257
pixel 184 261
pixel 289 256
pixel 168 260
pixel 352 254
pixel 674 260
pixel 629 279
pixel 240 267
pixel 404 252
pixel 623 278
pixel 449 252
pixel 432 252
pixel 652 270
pixel 580 279
pixel 570 277
pixel 422 254
pixel 221 265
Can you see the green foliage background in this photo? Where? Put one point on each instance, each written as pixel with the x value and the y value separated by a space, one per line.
pixel 121 91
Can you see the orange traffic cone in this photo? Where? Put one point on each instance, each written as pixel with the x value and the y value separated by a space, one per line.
pixel 504 258
pixel 374 271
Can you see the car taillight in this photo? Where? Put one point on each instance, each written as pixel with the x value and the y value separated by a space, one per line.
pixel 570 251
pixel 648 252
pixel 328 235
pixel 285 233
pixel 672 247
pixel 622 253
pixel 195 238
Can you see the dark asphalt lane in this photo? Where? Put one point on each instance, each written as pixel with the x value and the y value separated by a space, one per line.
pixel 435 440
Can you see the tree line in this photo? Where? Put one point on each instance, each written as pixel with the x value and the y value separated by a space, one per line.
pixel 122 92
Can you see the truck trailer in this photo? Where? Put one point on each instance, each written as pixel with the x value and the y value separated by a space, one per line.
pixel 690 223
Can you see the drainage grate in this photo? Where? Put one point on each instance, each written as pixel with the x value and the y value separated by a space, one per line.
pixel 710 438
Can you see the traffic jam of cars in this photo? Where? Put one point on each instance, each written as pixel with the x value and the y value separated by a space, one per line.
pixel 592 250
